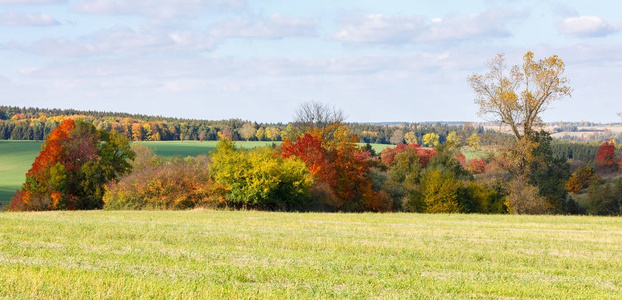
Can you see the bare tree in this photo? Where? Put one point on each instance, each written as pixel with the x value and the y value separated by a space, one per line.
pixel 312 115
pixel 620 115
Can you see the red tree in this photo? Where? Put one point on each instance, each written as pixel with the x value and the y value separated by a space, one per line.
pixel 606 156
pixel 388 155
pixel 334 159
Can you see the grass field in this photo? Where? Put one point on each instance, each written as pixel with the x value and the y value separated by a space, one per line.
pixel 16 157
pixel 263 255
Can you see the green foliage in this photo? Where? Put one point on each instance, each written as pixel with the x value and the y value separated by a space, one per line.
pixel 260 179
pixel 549 173
pixel 439 191
pixel 605 199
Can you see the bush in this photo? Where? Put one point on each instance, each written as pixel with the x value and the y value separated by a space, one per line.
pixel 172 184
pixel 261 179
pixel 581 179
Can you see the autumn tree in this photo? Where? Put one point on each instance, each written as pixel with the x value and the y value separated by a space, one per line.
pixel 410 138
pixel 474 141
pixel 248 131
pixel 606 155
pixel 517 96
pixel 453 140
pixel 260 134
pixel 431 139
pixel 71 170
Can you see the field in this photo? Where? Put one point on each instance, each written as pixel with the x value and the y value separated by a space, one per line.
pixel 16 157
pixel 264 255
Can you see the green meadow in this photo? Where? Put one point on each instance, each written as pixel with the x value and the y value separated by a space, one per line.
pixel 16 157
pixel 267 255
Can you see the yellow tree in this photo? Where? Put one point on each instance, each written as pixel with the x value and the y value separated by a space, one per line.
pixel 431 139
pixel 517 96
pixel 410 138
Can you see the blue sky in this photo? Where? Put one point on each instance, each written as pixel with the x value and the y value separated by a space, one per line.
pixel 258 60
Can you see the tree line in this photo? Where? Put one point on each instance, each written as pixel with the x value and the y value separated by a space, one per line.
pixel 36 123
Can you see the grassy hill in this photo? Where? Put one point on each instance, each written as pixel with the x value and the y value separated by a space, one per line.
pixel 268 255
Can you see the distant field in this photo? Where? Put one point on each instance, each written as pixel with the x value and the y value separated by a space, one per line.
pixel 16 157
pixel 264 255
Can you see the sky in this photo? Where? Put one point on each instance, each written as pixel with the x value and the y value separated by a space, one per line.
pixel 378 61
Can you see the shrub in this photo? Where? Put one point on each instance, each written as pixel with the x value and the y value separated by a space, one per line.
pixel 259 178
pixel 172 184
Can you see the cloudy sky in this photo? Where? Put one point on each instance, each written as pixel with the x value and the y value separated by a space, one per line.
pixel 258 60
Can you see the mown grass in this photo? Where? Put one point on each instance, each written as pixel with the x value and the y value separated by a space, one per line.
pixel 263 255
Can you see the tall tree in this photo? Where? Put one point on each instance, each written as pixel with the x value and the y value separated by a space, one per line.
pixel 517 96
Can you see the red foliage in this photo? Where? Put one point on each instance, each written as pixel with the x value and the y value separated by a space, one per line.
pixel 476 165
pixel 606 156
pixel 388 155
pixel 309 149
pixel 461 158
pixel 336 160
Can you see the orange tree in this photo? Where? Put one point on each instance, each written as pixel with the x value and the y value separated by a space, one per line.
pixel 71 170
pixel 338 164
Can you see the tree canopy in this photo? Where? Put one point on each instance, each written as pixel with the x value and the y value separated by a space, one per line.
pixel 517 96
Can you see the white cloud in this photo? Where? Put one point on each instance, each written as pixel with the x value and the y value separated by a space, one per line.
pixel 587 26
pixel 156 8
pixel 274 27
pixel 399 29
pixel 124 41
pixel 19 19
